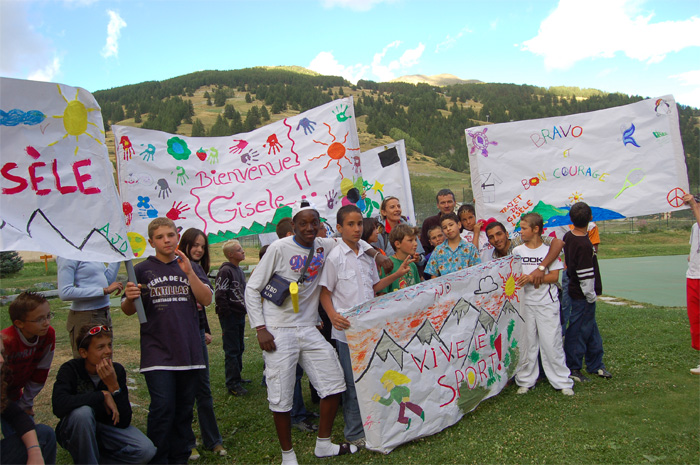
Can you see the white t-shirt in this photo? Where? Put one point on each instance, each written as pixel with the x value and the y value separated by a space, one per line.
pixel 694 258
pixel 531 259
pixel 350 279
pixel 286 258
pixel 484 244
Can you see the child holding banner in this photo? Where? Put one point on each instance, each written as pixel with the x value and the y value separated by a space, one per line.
pixel 350 278
pixel 541 313
pixel 171 346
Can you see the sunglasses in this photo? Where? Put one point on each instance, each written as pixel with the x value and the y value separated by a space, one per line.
pixel 94 331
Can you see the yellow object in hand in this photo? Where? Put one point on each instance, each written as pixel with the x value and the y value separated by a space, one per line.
pixel 294 293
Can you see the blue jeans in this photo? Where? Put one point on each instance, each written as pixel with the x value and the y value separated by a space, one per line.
pixel 565 305
pixel 583 338
pixel 211 437
pixel 232 333
pixel 13 450
pixel 170 413
pixel 351 409
pixel 89 441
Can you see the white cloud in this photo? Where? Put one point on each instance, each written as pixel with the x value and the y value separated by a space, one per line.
pixel 577 31
pixel 24 52
pixel 450 41
pixel 116 23
pixel 325 63
pixel 408 59
pixel 355 5
pixel 692 95
pixel 80 2
pixel 47 73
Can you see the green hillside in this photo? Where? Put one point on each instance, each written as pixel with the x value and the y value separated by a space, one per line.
pixel 430 118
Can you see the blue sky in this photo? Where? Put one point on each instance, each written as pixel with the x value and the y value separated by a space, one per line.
pixel 649 48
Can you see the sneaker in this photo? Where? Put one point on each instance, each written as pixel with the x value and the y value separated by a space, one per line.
pixel 603 373
pixel 695 371
pixel 219 450
pixel 577 376
pixel 523 390
pixel 567 391
pixel 237 390
pixel 194 455
pixel 360 443
pixel 306 426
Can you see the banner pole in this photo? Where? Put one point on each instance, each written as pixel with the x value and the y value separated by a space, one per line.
pixel 137 303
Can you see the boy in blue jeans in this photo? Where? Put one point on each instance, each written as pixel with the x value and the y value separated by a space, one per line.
pixel 582 336
pixel 171 345
pixel 350 278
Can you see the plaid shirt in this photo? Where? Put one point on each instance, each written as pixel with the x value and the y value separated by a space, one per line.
pixel 445 260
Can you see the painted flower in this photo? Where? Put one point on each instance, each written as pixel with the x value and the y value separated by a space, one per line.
pixel 178 148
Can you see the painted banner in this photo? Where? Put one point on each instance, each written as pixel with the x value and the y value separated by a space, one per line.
pixel 385 173
pixel 238 185
pixel 623 161
pixel 58 193
pixel 425 355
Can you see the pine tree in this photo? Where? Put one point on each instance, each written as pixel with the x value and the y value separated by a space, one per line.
pixel 248 98
pixel 198 128
pixel 10 263
pixel 264 113
pixel 229 111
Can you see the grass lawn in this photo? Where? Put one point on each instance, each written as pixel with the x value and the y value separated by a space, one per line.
pixel 649 412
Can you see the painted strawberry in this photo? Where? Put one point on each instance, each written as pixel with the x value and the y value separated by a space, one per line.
pixel 201 154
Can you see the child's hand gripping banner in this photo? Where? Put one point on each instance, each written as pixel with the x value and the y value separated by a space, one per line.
pixel 238 185
pixel 623 161
pixel 424 356
pixel 58 192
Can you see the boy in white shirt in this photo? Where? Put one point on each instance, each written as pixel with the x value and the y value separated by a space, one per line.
pixel 541 313
pixel 350 278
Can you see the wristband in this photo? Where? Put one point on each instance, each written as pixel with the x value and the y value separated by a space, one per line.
pixel 118 391
pixel 376 255
pixel 260 328
pixel 32 447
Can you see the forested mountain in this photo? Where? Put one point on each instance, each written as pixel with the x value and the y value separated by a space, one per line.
pixel 431 119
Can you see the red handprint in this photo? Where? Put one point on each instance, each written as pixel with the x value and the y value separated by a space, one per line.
pixel 275 145
pixel 127 147
pixel 176 211
pixel 128 212
pixel 239 147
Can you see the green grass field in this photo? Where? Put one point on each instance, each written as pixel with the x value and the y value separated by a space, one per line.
pixel 649 412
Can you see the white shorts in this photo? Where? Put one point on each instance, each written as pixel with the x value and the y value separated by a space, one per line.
pixel 304 345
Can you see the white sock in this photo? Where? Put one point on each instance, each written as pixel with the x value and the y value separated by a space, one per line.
pixel 289 457
pixel 325 448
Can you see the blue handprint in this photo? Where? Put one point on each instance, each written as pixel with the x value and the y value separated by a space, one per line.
pixel 148 212
pixel 149 153
pixel 340 115
pixel 308 126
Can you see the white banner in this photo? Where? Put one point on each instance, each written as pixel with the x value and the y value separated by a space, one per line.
pixel 385 173
pixel 58 193
pixel 425 355
pixel 238 185
pixel 623 161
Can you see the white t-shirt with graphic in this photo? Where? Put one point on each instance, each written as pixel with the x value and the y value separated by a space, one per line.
pixel 531 259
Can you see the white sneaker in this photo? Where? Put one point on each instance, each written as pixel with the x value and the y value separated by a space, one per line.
pixel 523 390
pixel 567 391
pixel 695 371
pixel 194 455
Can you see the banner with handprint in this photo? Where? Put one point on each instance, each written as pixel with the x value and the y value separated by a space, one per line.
pixel 623 161
pixel 238 185
pixel 385 173
pixel 58 193
pixel 424 356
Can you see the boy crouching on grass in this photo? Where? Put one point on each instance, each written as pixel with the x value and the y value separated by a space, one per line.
pixel 171 345
pixel 350 278
pixel 541 313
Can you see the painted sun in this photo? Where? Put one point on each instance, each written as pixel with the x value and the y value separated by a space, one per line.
pixel 510 287
pixel 75 120
pixel 336 150
pixel 575 197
